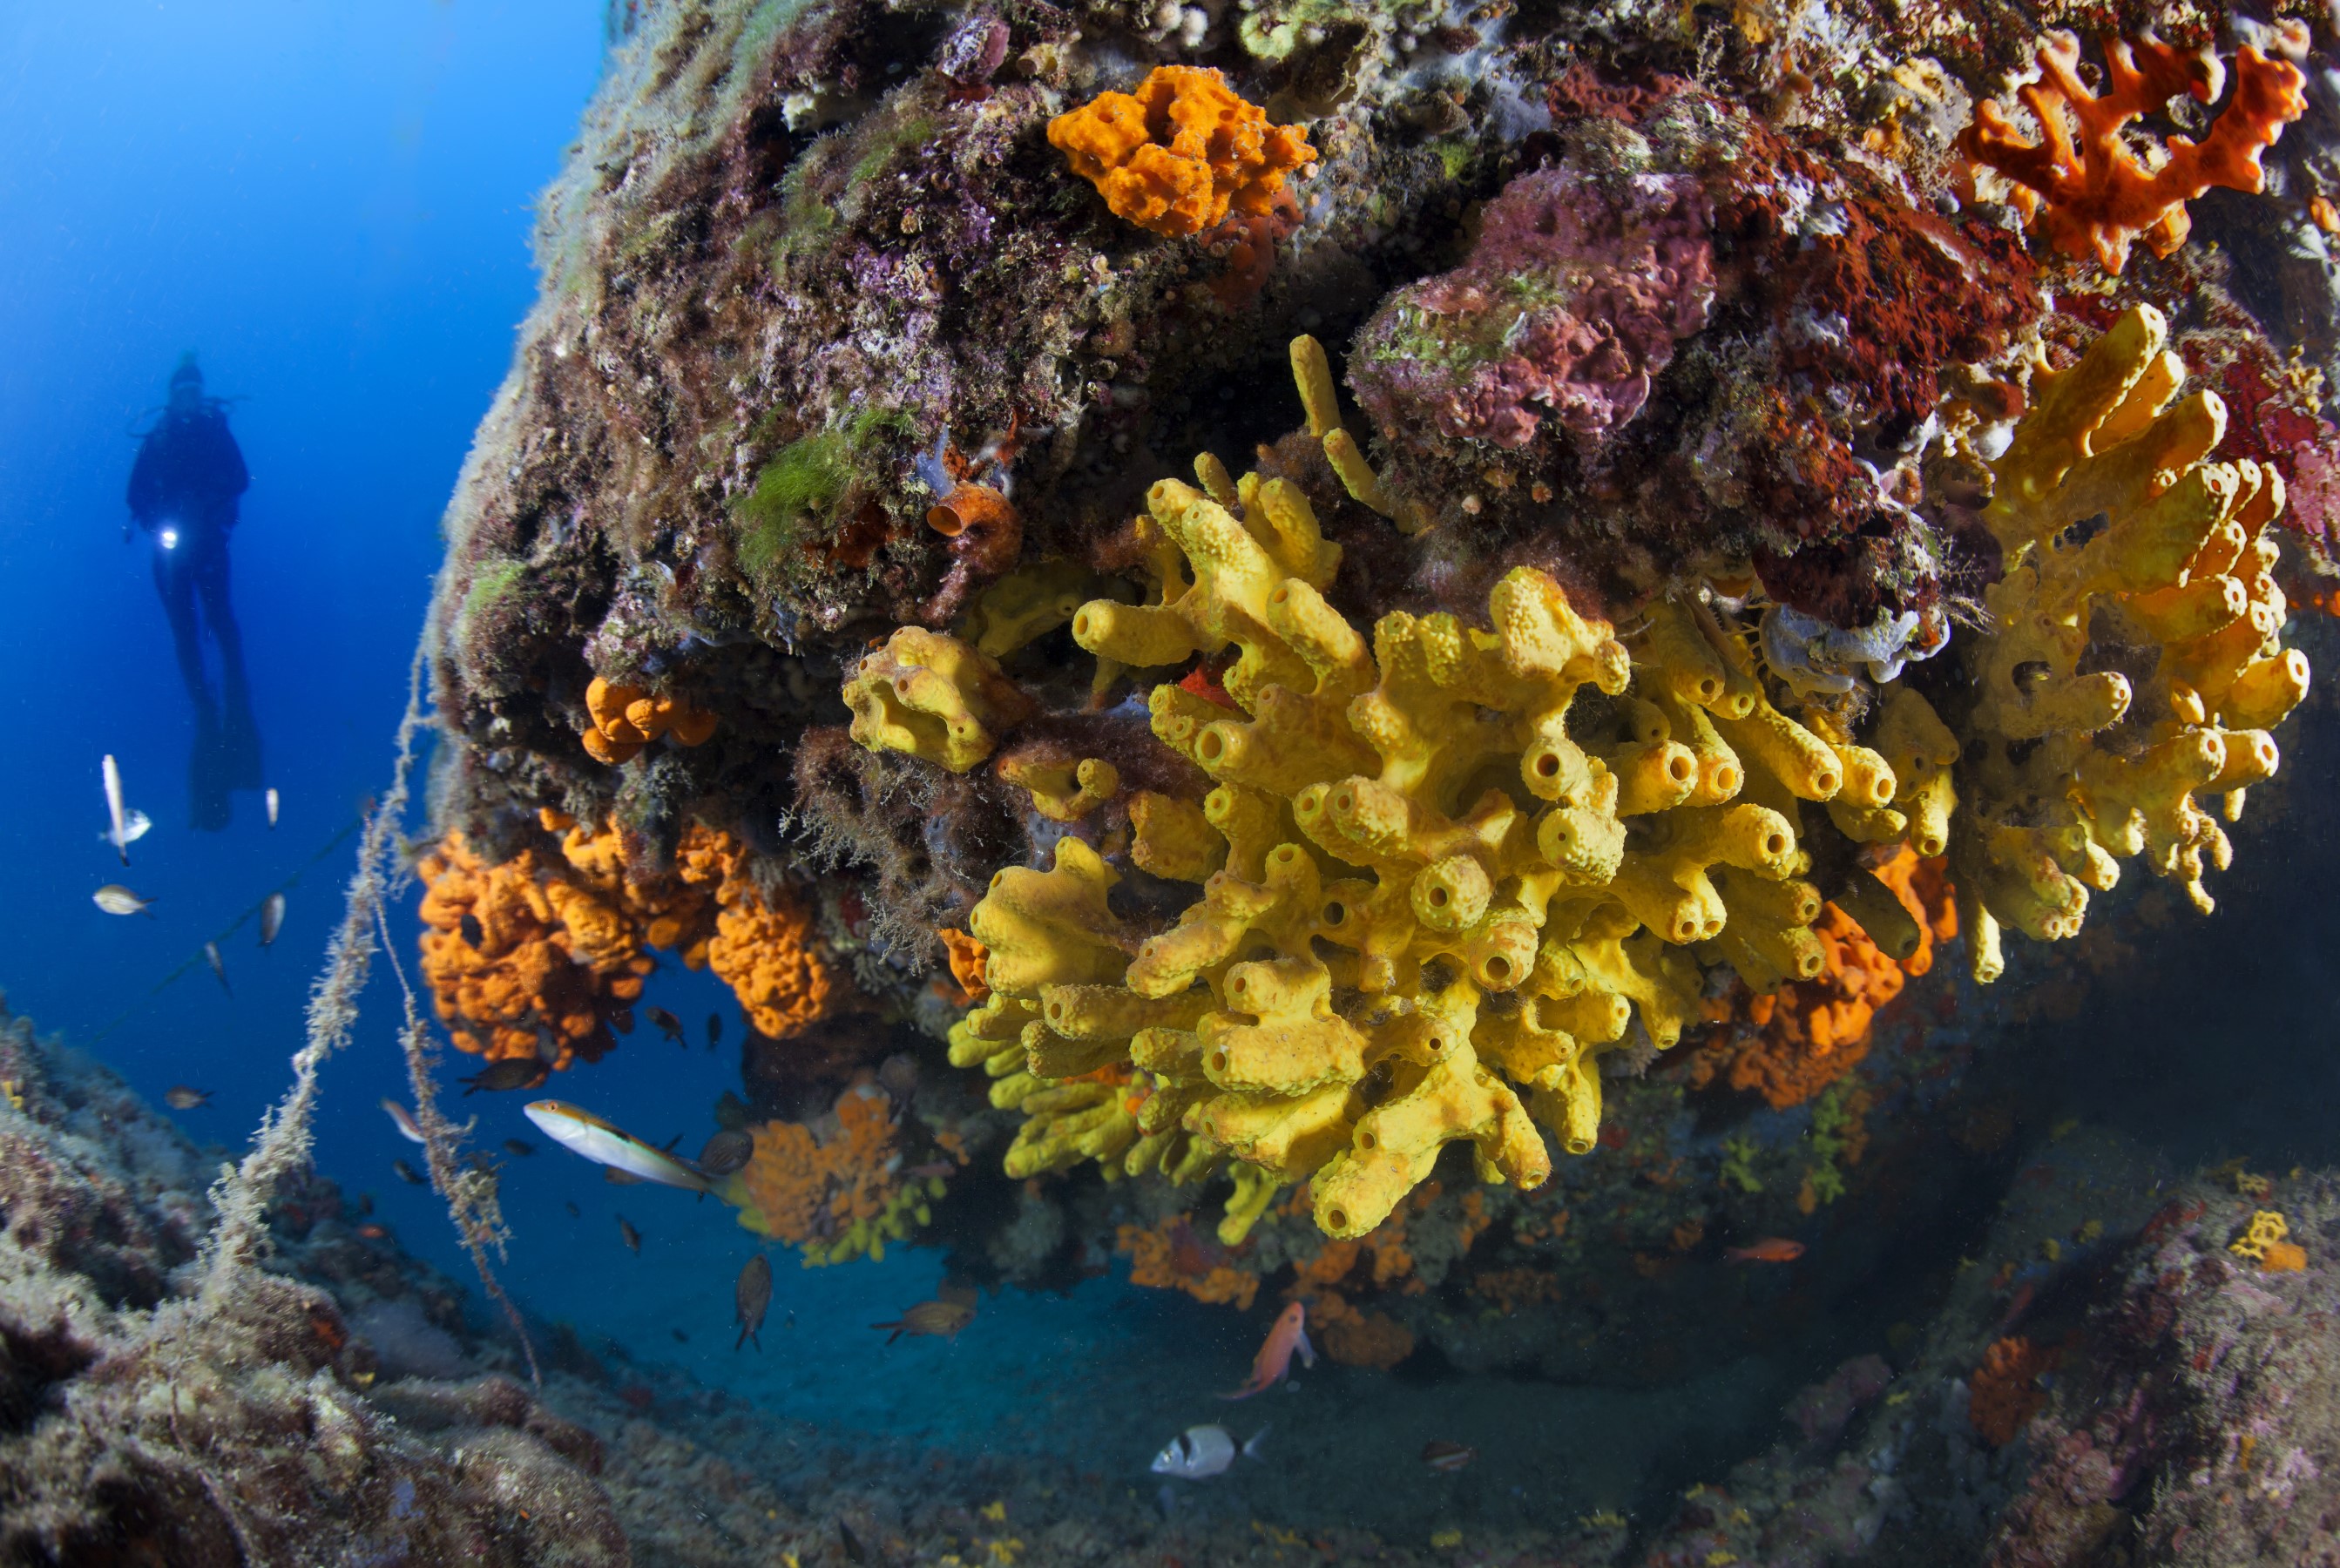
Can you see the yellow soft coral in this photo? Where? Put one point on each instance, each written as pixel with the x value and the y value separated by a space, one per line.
pixel 2137 661
pixel 1174 156
pixel 1413 829
pixel 2268 1229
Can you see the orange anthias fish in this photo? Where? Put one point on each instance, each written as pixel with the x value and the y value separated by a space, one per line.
pixel 1770 1249
pixel 1273 1362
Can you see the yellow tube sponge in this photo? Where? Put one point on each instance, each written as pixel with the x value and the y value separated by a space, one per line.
pixel 1422 916
pixel 934 697
pixel 2136 659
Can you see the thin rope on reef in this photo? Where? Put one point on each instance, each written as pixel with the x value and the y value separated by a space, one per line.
pixel 241 1196
pixel 471 1190
pixel 244 1192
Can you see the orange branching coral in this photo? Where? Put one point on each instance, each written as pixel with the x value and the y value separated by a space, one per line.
pixel 509 974
pixel 1174 156
pixel 764 952
pixel 836 1187
pixel 1811 1033
pixel 1174 1255
pixel 2004 1393
pixel 2092 191
pixel 537 956
pixel 625 718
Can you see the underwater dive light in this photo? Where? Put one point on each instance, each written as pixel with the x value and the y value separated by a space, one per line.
pixel 170 538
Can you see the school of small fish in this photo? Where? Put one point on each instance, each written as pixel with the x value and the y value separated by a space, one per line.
pixel 1200 1453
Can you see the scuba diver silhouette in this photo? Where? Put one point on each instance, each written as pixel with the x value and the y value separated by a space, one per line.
pixel 183 494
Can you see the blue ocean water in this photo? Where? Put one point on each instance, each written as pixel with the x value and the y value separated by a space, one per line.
pixel 332 207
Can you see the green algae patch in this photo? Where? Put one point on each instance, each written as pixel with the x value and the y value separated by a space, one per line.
pixel 808 211
pixel 491 584
pixel 886 142
pixel 805 489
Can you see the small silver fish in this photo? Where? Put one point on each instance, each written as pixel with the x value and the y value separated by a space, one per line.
pixel 1200 1453
pixel 272 918
pixel 271 799
pixel 218 966
pixel 180 1097
pixel 136 825
pixel 120 828
pixel 627 1232
pixel 1445 1456
pixel 580 1132
pixel 116 899
pixel 405 1120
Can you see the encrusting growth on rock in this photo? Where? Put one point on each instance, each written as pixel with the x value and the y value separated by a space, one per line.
pixel 1792 1044
pixel 834 1188
pixel 532 960
pixel 625 718
pixel 1176 154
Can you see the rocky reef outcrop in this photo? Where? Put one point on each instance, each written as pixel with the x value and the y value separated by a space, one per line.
pixel 1466 654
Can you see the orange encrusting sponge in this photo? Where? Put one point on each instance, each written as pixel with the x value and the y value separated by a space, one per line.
pixel 538 957
pixel 1811 1033
pixel 1176 154
pixel 627 718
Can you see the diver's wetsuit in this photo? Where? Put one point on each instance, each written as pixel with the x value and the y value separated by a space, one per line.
pixel 182 492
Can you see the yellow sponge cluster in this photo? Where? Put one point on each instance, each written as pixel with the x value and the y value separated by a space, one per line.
pixel 1434 889
pixel 2137 661
pixel 934 697
pixel 1443 874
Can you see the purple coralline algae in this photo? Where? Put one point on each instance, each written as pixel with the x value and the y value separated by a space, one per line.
pixel 1573 300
